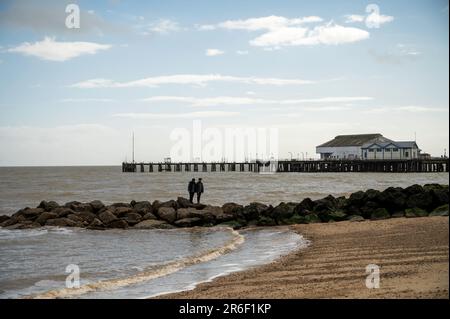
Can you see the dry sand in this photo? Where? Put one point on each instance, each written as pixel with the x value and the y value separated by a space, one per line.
pixel 412 255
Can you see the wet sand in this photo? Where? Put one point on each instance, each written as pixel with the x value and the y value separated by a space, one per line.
pixel 413 256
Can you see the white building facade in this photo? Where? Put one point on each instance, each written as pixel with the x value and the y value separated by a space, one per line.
pixel 391 151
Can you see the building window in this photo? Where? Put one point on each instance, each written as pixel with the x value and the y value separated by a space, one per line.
pixel 387 149
pixel 371 150
pixel 395 149
pixel 406 154
pixel 379 150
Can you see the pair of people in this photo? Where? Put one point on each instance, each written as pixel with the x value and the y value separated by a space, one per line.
pixel 195 188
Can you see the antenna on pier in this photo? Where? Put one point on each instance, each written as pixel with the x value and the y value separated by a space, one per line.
pixel 133 147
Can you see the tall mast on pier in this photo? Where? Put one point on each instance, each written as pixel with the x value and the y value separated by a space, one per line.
pixel 133 148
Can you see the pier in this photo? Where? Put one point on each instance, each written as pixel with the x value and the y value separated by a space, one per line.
pixel 433 165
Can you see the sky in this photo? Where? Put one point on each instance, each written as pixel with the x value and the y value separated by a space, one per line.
pixel 310 69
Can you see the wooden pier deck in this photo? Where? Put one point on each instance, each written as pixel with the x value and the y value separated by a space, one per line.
pixel 307 166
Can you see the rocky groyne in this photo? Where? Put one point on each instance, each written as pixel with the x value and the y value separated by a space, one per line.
pixel 412 201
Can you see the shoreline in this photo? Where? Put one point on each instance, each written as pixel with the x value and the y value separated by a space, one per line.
pixel 412 254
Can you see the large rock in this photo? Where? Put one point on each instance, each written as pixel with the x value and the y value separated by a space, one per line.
pixel 380 213
pixel 422 200
pixel 168 214
pixel 368 208
pixel 440 196
pixel 171 203
pixel 233 209
pixel 440 211
pixel 4 218
pixel 29 213
pixel 355 218
pixel 44 217
pixel 61 222
pixel 96 224
pixel 96 206
pixel 48 206
pixel 149 216
pixel 305 206
pixel 63 211
pixel 121 211
pixel 81 207
pixel 283 211
pixel 107 217
pixel 414 189
pixel 337 215
pixel 13 220
pixel 183 202
pixel 117 205
pixel 393 199
pixel 357 199
pixel 266 221
pixel 152 224
pixel 312 218
pixel 132 218
pixel 118 223
pixel 186 213
pixel 87 217
pixel 143 207
pixel 188 222
pixel 415 212
pixel 294 219
pixel 255 210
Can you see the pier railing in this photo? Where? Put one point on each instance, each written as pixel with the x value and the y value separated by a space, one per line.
pixel 306 166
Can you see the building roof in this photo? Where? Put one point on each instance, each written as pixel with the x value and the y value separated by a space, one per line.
pixel 354 140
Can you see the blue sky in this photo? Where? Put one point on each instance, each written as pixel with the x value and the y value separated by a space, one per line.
pixel 312 69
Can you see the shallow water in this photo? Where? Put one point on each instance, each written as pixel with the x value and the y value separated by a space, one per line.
pixel 33 262
pixel 27 186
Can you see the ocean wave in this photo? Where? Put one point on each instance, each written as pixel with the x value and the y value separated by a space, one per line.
pixel 161 271
pixel 8 234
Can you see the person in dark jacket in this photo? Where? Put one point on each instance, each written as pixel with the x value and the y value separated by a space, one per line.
pixel 191 190
pixel 199 189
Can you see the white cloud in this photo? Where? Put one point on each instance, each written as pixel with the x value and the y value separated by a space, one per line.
pixel 213 52
pixel 187 79
pixel 330 34
pixel 189 115
pixel 164 26
pixel 230 100
pixel 205 27
pixel 351 18
pixel 241 52
pixel 51 50
pixel 280 31
pixel 377 19
pixel 266 23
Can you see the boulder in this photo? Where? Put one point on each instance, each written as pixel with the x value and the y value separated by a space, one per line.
pixel 368 208
pixel 422 200
pixel 414 189
pixel 24 225
pixel 29 213
pixel 13 220
pixel 188 222
pixel 255 210
pixel 373 195
pixel 337 215
pixel 183 202
pixel 96 206
pixel 266 221
pixel 4 218
pixel 312 218
pixel 233 209
pixel 306 205
pixel 117 205
pixel 132 218
pixel 357 199
pixel 75 218
pixel 294 219
pixel 415 212
pixel 324 205
pixel 121 211
pixel 96 224
pixel 199 206
pixel 107 217
pixel 61 222
pixel 235 224
pixel 41 220
pixel 63 211
pixel 143 207
pixel 149 216
pixel 186 213
pixel 355 218
pixel 152 224
pixel 398 214
pixel 380 213
pixel 440 211
pixel 171 203
pixel 440 196
pixel 48 206
pixel 81 207
pixel 86 216
pixel 168 214
pixel 118 223
pixel 283 211
pixel 393 199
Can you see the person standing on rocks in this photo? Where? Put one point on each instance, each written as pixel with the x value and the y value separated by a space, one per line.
pixel 199 189
pixel 191 190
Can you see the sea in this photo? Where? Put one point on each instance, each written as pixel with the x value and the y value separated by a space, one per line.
pixel 54 262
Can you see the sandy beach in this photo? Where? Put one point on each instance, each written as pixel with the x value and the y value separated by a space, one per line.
pixel 413 256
